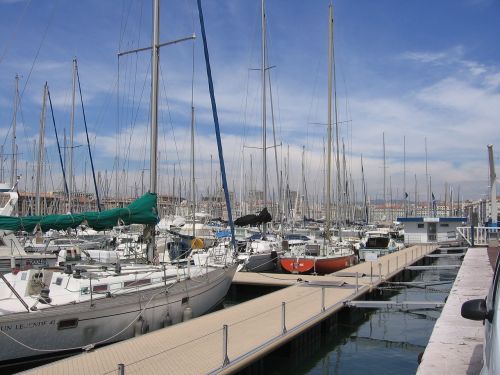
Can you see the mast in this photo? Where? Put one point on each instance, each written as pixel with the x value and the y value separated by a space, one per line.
pixel 1 163
pixel 252 194
pixel 329 148
pixel 493 189
pixel 404 177
pixel 193 183
pixel 390 196
pixel 217 128
pixel 385 199
pixel 302 209
pixel 41 138
pixel 263 77
pixel 428 197
pixel 13 169
pixel 365 195
pixel 338 212
pixel 155 56
pixel 345 198
pixel 415 213
pixel 71 137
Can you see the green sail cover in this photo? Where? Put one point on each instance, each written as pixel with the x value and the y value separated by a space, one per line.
pixel 140 211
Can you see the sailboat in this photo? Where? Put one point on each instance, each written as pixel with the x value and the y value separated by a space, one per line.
pixel 13 257
pixel 262 251
pixel 81 306
pixel 326 257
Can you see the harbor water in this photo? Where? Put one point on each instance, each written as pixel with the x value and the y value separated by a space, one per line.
pixel 370 341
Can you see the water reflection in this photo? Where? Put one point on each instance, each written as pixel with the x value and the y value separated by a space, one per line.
pixel 386 341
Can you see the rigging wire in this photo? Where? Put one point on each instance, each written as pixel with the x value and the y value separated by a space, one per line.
pixel 12 36
pixel 171 122
pixel 51 16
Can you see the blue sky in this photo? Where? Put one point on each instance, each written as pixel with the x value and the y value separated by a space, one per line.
pixel 413 69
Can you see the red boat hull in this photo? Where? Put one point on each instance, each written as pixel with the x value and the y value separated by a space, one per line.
pixel 318 265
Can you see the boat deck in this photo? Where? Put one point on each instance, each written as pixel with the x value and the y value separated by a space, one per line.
pixel 456 344
pixel 254 328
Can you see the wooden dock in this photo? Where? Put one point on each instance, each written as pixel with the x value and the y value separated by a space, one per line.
pixel 254 328
pixel 456 344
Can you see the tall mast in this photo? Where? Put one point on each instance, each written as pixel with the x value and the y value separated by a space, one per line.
pixel 416 203
pixel 155 56
pixel 345 201
pixel 41 147
pixel 1 163
pixel 193 183
pixel 263 76
pixel 13 169
pixel 390 195
pixel 365 196
pixel 302 209
pixel 329 136
pixel 428 197
pixel 71 136
pixel 339 187
pixel 385 199
pixel 493 184
pixel 404 177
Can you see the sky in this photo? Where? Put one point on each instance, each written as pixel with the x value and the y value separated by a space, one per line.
pixel 423 75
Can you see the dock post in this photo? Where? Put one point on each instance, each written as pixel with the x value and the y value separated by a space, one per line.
pixel 121 369
pixel 225 358
pixel 388 267
pixel 322 299
pixel 380 272
pixel 283 325
pixel 357 282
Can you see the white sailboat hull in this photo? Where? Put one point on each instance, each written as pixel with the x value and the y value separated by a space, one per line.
pixel 109 320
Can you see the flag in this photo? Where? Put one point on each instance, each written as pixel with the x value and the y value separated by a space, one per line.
pixel 406 195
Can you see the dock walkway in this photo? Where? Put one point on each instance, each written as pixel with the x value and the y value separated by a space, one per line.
pixel 456 344
pixel 254 328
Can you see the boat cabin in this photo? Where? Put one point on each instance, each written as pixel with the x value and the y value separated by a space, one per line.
pixel 419 230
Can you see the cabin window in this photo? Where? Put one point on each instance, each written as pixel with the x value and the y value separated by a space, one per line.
pixel 134 283
pixel 100 288
pixel 67 324
pixel 444 225
pixel 420 225
pixel 185 300
pixel 59 281
pixel 84 290
pixel 166 278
